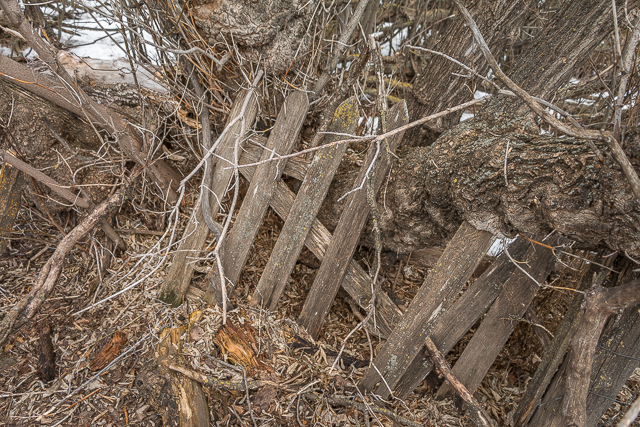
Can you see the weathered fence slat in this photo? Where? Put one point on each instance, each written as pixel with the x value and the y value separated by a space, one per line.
pixel 305 208
pixel 347 233
pixel 295 167
pixel 615 361
pixel 456 265
pixel 263 184
pixel 554 355
pixel 195 234
pixel 464 313
pixel 11 183
pixel 356 281
pixel 497 326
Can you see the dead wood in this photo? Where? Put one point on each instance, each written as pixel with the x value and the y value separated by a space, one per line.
pixel 65 94
pixel 111 350
pixel 11 183
pixel 516 295
pixel 27 307
pixel 263 185
pixel 456 265
pixel 479 415
pixel 555 353
pixel 46 355
pixel 456 179
pixel 465 312
pixel 347 233
pixel 196 232
pixel 304 210
pixel 600 303
pixel 179 399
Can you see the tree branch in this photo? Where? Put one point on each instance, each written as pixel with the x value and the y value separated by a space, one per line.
pixel 607 137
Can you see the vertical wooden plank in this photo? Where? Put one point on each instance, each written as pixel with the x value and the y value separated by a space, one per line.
pixel 615 361
pixel 498 324
pixel 464 313
pixel 305 209
pixel 456 265
pixel 11 183
pixel 263 184
pixel 347 233
pixel 553 356
pixel 195 235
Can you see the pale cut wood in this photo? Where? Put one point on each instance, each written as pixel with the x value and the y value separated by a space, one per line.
pixel 356 281
pixel 464 313
pixel 498 324
pixel 185 400
pixel 195 234
pixel 456 265
pixel 347 233
pixel 263 184
pixel 310 196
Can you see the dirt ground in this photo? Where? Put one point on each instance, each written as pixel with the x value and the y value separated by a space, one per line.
pixel 310 391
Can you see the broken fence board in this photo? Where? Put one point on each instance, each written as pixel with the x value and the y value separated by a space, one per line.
pixel 196 232
pixel 347 233
pixel 456 265
pixel 305 209
pixel 555 353
pixel 356 281
pixel 464 313
pixel 615 360
pixel 497 326
pixel 263 183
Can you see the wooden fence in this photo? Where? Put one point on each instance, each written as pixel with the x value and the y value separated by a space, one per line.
pixel 501 294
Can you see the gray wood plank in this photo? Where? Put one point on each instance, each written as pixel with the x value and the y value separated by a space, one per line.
pixel 616 358
pixel 464 313
pixel 305 209
pixel 347 233
pixel 263 183
pixel 497 326
pixel 196 232
pixel 554 355
pixel 356 281
pixel 456 265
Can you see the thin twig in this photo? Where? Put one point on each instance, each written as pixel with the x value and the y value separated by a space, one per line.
pixel 479 415
pixel 607 137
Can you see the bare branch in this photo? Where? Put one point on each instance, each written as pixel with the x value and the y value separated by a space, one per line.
pixel 607 137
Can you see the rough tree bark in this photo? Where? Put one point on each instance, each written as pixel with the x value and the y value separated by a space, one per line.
pixel 444 84
pixel 550 183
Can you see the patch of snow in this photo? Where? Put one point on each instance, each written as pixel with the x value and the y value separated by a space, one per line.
pixel 498 246
pixel 466 116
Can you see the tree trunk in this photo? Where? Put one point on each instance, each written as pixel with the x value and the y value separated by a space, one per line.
pixel 550 182
pixel 442 83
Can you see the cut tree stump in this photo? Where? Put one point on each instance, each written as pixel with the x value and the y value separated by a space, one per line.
pixel 352 221
pixel 305 209
pixel 195 234
pixel 464 313
pixel 456 265
pixel 263 184
pixel 180 400
pixel 496 328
